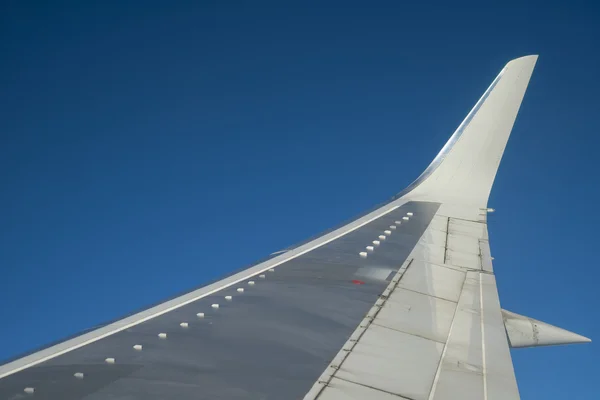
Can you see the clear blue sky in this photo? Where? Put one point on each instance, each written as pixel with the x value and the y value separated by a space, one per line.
pixel 147 149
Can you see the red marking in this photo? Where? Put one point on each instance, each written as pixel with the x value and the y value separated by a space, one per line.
pixel 357 282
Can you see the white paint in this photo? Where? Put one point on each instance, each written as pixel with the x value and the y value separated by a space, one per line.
pixel 109 360
pixel 320 387
pixel 460 179
pixel 137 347
pixel 228 298
pixel 250 283
pixel 271 269
pixel 363 254
pixel 410 214
pixel 240 290
pixel 262 276
pixel 162 335
pixel 432 279
pixel 29 390
pixel 464 171
pixel 382 237
pixel 370 248
pixel 392 226
pixel 398 222
pixel 387 232
pixel 376 242
pixel 215 306
pixel 477 155
pixel 78 375
pixel 184 325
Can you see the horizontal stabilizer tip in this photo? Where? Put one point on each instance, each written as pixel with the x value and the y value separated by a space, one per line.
pixel 528 332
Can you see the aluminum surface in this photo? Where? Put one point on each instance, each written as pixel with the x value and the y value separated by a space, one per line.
pixel 270 342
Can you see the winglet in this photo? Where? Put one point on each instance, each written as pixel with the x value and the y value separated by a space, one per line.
pixel 464 170
pixel 527 332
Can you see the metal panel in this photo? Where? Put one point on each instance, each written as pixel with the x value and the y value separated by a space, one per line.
pixel 500 381
pixel 272 340
pixel 394 362
pixel 434 237
pixel 433 280
pixel 429 252
pixel 418 314
pixel 464 260
pixel 463 243
pixel 486 255
pixel 476 363
pixel 439 223
pixel 468 228
pixel 339 389
pixel 461 369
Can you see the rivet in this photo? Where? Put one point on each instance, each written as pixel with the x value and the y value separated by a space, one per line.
pixel 250 283
pixel 387 232
pixel 215 306
pixel 392 226
pixel 241 290
pixel 271 269
pixel 398 222
pixel 110 360
pixel 162 335
pixel 229 298
pixel 363 254
pixel 29 390
pixel 261 276
pixel 184 325
pixel 137 347
pixel 370 248
pixel 405 218
pixel 200 315
pixel 382 237
pixel 376 242
pixel 410 214
pixel 78 375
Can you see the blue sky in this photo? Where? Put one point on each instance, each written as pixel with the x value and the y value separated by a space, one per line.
pixel 147 149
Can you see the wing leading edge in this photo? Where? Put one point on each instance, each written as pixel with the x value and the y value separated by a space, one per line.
pixel 399 303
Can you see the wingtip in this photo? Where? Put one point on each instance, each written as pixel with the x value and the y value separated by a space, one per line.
pixel 530 59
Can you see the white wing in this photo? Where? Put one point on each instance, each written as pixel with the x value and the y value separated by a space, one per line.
pixel 399 303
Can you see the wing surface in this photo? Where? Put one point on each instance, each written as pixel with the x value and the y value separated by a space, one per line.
pixel 399 303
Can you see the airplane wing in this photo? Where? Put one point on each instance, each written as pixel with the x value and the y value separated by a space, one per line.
pixel 400 303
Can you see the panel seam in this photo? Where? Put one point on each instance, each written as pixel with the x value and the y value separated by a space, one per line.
pixel 407 333
pixel 362 329
pixel 425 294
pixel 374 388
pixel 439 369
pixel 485 396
